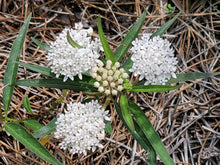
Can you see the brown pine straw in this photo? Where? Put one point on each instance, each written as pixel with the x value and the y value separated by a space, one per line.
pixel 179 116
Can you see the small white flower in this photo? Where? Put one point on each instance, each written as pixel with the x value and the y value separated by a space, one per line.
pixel 78 26
pixel 107 92
pixel 96 84
pixel 81 127
pixel 70 61
pixel 117 64
pixel 125 75
pixel 110 72
pixel 112 84
pixel 98 78
pixel 116 77
pixel 101 89
pixel 120 88
pixel 117 72
pixel 110 78
pixel 104 76
pixel 94 75
pixel 153 59
pixel 120 81
pixel 109 62
pixel 105 83
pixel 114 92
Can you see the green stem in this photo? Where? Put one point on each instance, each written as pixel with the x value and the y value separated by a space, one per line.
pixel 14 120
pixel 54 105
pixel 136 81
pixel 92 93
pixel 107 101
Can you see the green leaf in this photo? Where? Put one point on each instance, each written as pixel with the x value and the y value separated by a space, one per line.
pixel 152 88
pixel 23 136
pixel 39 69
pixel 45 70
pixel 108 127
pixel 108 52
pixel 71 42
pixel 32 124
pixel 163 28
pixel 139 136
pixel 58 83
pixel 126 113
pixel 131 35
pixel 150 133
pixel 12 66
pixel 190 76
pixel 27 104
pixel 41 44
pixel 169 8
pixel 46 130
pixel 127 64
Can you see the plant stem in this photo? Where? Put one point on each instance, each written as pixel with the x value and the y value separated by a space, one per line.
pixel 135 82
pixel 107 101
pixel 92 93
pixel 54 105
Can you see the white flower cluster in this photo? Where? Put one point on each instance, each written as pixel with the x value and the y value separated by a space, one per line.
pixel 81 127
pixel 153 59
pixel 109 79
pixel 70 61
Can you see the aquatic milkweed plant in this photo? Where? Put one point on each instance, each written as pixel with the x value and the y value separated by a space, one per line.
pixel 75 64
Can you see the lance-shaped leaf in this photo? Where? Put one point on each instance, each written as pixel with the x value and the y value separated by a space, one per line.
pixel 163 28
pixel 152 88
pixel 127 64
pixel 12 66
pixel 139 136
pixel 190 76
pixel 71 42
pixel 27 139
pixel 41 44
pixel 131 35
pixel 45 70
pixel 58 83
pixel 39 69
pixel 126 112
pixel 27 104
pixel 150 133
pixel 108 52
pixel 46 130
pixel 32 124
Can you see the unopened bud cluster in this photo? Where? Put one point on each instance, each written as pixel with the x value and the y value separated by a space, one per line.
pixel 109 78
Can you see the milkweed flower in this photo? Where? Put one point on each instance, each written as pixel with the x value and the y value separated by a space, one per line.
pixel 109 78
pixel 153 59
pixel 81 127
pixel 70 61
